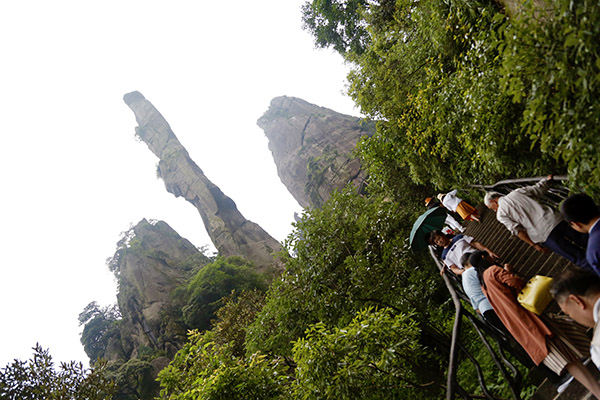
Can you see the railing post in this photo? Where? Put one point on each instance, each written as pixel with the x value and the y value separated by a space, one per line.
pixel 454 347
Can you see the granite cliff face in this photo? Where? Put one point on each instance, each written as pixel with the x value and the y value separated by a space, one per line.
pixel 230 232
pixel 151 261
pixel 312 147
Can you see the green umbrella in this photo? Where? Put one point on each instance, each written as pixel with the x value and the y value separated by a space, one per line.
pixel 433 219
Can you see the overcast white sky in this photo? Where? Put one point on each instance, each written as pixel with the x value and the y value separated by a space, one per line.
pixel 74 176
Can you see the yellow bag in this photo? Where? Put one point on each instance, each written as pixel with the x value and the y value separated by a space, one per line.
pixel 535 295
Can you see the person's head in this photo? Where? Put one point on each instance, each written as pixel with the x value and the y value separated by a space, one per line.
pixel 576 292
pixel 465 259
pixel 480 260
pixel 579 211
pixel 430 203
pixel 491 200
pixel 437 238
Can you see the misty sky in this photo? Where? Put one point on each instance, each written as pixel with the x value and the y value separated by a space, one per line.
pixel 75 177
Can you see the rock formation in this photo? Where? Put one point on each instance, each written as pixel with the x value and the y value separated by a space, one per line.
pixel 230 232
pixel 312 147
pixel 151 261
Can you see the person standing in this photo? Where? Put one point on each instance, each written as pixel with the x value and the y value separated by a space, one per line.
pixel 582 214
pixel 454 203
pixel 454 248
pixel 537 224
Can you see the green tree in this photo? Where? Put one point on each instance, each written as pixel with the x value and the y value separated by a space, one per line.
pixel 374 357
pixel 214 282
pixel 38 378
pixel 337 23
pixel 135 379
pixel 432 83
pixel 551 67
pixel 350 254
pixel 101 324
pixel 463 94
pixel 204 370
pixel 233 319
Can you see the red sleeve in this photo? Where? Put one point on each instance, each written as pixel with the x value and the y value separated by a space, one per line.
pixel 507 278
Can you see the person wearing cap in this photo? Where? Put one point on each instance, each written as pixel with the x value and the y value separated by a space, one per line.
pixel 454 203
pixel 537 224
pixel 583 215
pixel 450 220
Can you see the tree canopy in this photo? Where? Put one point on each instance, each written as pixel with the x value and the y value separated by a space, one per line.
pixel 39 378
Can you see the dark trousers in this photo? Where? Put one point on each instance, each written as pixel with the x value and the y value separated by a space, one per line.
pixel 569 243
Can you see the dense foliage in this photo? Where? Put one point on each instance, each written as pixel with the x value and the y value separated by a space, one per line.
pixel 350 253
pixel 205 370
pixel 552 67
pixel 38 378
pixel 376 356
pixel 214 282
pixel 328 292
pixel 463 94
pixel 100 325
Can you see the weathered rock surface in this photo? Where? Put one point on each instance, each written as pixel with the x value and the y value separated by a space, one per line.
pixel 153 262
pixel 312 147
pixel 230 232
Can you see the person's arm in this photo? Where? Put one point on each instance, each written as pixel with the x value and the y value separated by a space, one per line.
pixel 525 237
pixel 509 279
pixel 480 246
pixel 539 189
pixel 505 215
pixel 452 268
pixel 456 270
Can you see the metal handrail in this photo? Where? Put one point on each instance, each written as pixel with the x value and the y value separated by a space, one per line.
pixel 553 197
pixel 518 182
pixel 456 346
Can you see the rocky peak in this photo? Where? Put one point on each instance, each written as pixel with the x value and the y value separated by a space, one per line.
pixel 230 232
pixel 151 261
pixel 313 148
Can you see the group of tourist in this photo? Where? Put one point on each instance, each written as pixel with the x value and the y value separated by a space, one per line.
pixel 573 233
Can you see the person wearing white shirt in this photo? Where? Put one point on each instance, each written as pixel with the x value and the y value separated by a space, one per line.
pixel 454 248
pixel 537 224
pixel 577 293
pixel 454 203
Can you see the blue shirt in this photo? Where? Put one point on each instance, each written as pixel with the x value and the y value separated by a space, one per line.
pixel 593 248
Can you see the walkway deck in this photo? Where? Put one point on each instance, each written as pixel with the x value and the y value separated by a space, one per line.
pixel 526 262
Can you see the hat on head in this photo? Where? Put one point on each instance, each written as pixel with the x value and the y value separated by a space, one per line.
pixel 440 196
